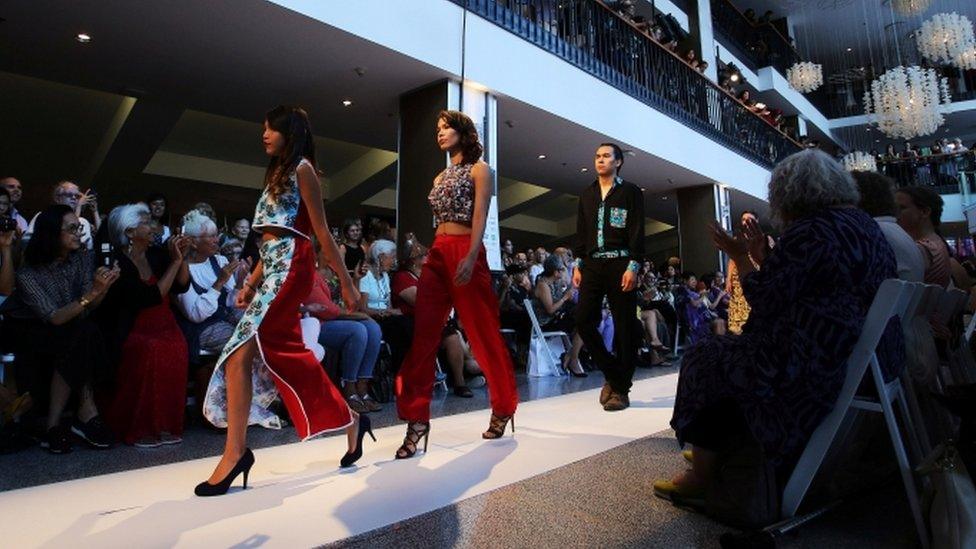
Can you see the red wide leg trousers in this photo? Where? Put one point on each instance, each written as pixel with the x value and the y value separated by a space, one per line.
pixel 477 308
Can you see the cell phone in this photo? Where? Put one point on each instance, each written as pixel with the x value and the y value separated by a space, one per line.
pixel 106 255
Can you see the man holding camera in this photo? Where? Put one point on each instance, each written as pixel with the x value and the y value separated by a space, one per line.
pixel 610 245
pixel 68 194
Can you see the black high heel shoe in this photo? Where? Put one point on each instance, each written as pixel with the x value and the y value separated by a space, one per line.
pixel 415 432
pixel 570 370
pixel 365 426
pixel 205 489
pixel 497 425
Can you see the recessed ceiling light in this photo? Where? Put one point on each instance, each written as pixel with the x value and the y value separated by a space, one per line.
pixel 542 157
pixel 83 38
pixel 850 49
pixel 584 170
pixel 665 197
pixel 347 102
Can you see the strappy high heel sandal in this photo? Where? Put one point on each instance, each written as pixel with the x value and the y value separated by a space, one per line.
pixel 497 425
pixel 415 432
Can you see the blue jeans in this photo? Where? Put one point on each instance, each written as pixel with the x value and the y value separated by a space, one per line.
pixel 358 345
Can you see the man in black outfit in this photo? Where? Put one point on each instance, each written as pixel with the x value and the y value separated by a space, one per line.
pixel 610 245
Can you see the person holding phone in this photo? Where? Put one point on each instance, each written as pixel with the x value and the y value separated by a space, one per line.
pixel 288 212
pixel 68 194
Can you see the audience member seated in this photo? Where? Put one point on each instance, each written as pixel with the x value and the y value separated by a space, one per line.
pixel 555 309
pixel 206 310
pixel 773 384
pixel 149 395
pixel 57 285
pixel 377 300
pixel 242 228
pixel 697 314
pixel 878 200
pixel 68 194
pixel 8 243
pixel 715 296
pixel 159 212
pixel 354 336
pixel 920 214
pixel 514 289
pixel 206 209
pixel 352 246
pixel 657 315
pixel 405 299
pixel 232 249
pixel 535 267
pixel 15 192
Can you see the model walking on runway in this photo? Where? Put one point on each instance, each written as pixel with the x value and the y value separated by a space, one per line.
pixel 288 212
pixel 610 247
pixel 456 274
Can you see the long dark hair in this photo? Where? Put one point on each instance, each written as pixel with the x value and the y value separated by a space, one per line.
pixel 292 123
pixel 165 219
pixel 471 149
pixel 45 245
pixel 350 223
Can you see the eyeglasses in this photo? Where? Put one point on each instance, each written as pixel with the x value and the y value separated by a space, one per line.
pixel 74 228
pixel 70 195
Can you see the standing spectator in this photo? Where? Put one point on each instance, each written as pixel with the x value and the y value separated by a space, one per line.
pixel 56 283
pixel 13 188
pixel 538 259
pixel 7 241
pixel 353 248
pixel 150 389
pixel 160 216
pixel 68 194
pixel 354 336
pixel 508 252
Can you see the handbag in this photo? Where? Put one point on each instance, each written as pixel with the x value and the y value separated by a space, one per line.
pixel 952 500
pixel 542 357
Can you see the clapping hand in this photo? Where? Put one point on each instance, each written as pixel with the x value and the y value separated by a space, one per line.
pixel 104 278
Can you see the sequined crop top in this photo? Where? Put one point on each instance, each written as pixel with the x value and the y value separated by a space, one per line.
pixel 452 198
pixel 285 211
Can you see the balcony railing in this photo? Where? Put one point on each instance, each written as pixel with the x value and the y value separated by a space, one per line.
pixel 758 44
pixel 953 173
pixel 590 36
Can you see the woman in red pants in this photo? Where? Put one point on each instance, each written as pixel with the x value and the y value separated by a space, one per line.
pixel 289 210
pixel 456 274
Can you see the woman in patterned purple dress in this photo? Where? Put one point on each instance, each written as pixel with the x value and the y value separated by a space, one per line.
pixel 776 381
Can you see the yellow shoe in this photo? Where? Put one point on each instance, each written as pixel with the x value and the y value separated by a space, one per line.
pixel 669 490
pixel 688 455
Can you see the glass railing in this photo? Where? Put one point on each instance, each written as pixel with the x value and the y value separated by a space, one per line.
pixel 758 45
pixel 953 173
pixel 592 37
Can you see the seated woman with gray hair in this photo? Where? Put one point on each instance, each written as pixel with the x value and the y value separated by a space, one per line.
pixel 376 300
pixel 206 312
pixel 771 386
pixel 150 356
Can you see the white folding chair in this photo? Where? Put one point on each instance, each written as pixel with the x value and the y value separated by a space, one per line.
pixel 891 300
pixel 960 365
pixel 544 337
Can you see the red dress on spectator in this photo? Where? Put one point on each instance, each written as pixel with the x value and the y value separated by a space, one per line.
pixel 150 388
pixel 403 280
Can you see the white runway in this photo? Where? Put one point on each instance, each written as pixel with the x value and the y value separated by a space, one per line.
pixel 297 496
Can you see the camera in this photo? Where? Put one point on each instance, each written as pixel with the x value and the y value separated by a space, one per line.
pixel 7 224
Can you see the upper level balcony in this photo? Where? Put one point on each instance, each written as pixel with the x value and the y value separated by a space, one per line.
pixel 757 44
pixel 592 37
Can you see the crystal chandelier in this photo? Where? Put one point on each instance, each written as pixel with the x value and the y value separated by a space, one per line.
pixel 858 161
pixel 946 38
pixel 907 102
pixel 805 76
pixel 910 7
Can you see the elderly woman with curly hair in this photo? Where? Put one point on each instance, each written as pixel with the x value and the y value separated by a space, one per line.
pixel 773 384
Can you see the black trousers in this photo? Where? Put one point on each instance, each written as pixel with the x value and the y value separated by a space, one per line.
pixel 601 277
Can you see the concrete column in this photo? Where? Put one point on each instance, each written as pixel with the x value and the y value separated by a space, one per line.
pixel 698 207
pixel 420 159
pixel 701 29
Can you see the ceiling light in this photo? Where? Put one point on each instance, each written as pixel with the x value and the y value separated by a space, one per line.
pixel 542 157
pixel 584 170
pixel 734 77
pixel 665 197
pixel 850 49
pixel 83 38
pixel 347 102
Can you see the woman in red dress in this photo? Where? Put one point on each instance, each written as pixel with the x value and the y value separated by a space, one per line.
pixel 288 212
pixel 149 398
